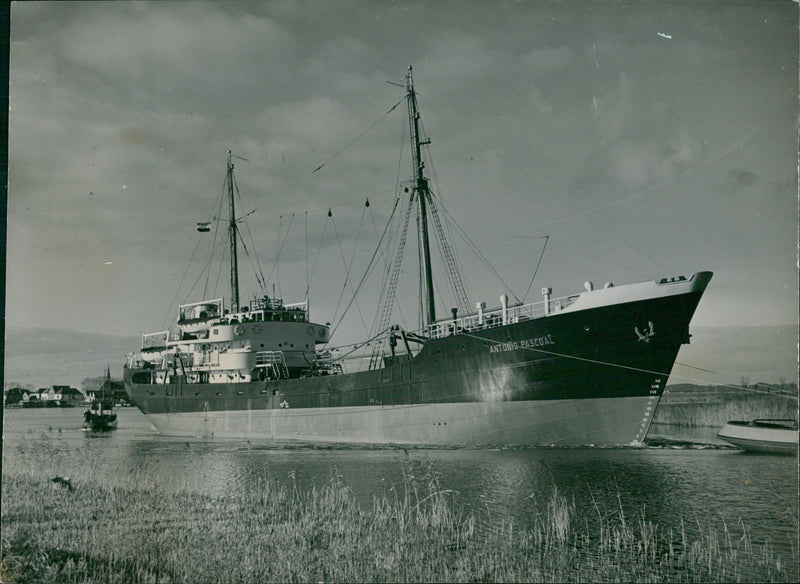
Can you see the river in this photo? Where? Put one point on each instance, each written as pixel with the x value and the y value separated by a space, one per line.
pixel 690 481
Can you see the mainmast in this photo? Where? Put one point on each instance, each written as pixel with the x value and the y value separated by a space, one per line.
pixel 423 192
pixel 232 235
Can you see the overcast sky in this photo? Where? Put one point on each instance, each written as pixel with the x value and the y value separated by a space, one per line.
pixel 645 138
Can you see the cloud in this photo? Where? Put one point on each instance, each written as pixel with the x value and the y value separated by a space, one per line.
pixel 639 143
pixel 540 114
pixel 738 179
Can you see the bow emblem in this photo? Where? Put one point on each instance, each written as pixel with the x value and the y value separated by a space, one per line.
pixel 647 335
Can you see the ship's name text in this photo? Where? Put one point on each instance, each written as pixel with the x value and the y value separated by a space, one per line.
pixel 530 343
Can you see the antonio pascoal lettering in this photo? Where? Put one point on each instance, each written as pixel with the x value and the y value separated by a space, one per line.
pixel 530 343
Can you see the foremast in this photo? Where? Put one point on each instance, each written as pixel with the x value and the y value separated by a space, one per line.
pixel 232 236
pixel 422 192
pixel 421 195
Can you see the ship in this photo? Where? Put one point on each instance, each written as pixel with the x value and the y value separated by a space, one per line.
pixel 587 368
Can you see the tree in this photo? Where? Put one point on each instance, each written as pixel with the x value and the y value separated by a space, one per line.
pixel 9 384
pixel 93 383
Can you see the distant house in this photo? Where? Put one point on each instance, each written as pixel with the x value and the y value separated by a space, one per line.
pixel 56 396
pixel 43 397
pixel 70 394
pixel 111 389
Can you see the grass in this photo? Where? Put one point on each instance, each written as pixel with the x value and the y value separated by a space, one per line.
pixel 277 532
pixel 716 411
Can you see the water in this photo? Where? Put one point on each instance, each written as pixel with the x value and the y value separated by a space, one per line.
pixel 692 484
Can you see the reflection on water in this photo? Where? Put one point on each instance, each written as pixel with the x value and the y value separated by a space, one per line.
pixel 701 436
pixel 691 487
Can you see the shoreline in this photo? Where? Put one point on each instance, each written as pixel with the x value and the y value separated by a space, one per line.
pixel 709 409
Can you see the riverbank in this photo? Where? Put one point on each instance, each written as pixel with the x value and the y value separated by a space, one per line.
pixel 696 406
pixel 82 531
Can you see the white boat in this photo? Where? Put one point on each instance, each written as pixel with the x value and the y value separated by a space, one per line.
pixel 770 436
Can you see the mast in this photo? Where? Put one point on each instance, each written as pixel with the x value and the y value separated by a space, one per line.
pixel 106 383
pixel 232 235
pixel 422 191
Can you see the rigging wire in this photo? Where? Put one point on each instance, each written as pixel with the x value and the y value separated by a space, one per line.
pixel 217 203
pixel 261 283
pixel 219 272
pixel 204 270
pixel 451 253
pixel 459 289
pixel 476 250
pixel 347 268
pixel 257 269
pixel 183 277
pixel 369 267
pixel 384 280
pixel 281 244
pixel 306 177
pixel 385 259
pixel 216 219
pixel 306 240
pixel 539 263
pixel 275 265
pixel 384 252
pixel 351 142
pixel 421 262
pixel 316 258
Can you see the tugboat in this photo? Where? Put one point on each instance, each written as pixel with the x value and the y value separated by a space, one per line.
pixel 101 415
pixel 588 367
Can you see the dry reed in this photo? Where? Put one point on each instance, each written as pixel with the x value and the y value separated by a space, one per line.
pixel 273 531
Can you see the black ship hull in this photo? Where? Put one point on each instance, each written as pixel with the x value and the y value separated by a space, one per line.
pixel 589 376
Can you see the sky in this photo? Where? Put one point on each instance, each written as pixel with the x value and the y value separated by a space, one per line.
pixel 645 139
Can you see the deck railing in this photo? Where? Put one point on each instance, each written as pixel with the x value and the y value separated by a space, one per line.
pixel 274 362
pixel 155 340
pixel 497 317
